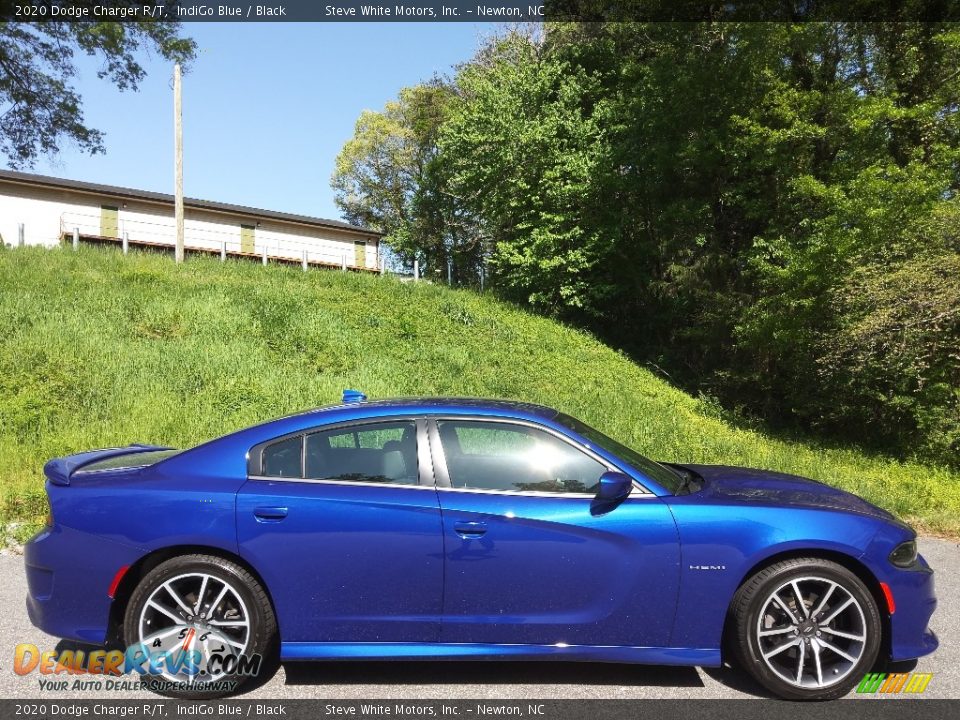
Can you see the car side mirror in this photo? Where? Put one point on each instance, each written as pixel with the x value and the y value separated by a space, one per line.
pixel 614 486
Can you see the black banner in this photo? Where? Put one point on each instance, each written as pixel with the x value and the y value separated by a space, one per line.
pixel 876 709
pixel 479 11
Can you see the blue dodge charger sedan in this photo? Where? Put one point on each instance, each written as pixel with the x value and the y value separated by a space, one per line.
pixel 466 529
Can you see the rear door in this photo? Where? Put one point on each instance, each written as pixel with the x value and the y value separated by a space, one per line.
pixel 531 557
pixel 248 239
pixel 344 524
pixel 109 221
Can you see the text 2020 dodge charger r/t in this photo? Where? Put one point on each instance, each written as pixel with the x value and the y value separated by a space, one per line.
pixel 473 529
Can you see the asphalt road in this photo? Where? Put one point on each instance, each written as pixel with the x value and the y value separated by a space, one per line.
pixel 491 680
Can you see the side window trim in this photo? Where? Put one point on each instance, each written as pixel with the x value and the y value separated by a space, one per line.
pixel 425 463
pixel 442 475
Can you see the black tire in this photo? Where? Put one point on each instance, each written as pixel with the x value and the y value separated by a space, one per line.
pixel 755 610
pixel 262 625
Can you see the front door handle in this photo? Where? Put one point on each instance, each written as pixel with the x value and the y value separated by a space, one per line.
pixel 270 514
pixel 469 530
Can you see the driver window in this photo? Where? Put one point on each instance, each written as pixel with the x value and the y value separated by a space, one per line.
pixel 506 456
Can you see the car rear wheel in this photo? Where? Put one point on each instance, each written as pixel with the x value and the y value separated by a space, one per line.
pixel 202 625
pixel 806 629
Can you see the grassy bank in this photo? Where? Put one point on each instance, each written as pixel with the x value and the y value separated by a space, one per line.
pixel 99 349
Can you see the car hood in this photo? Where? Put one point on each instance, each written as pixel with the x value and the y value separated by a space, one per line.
pixel 748 485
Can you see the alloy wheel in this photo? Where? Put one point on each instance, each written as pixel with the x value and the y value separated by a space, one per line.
pixel 195 613
pixel 811 632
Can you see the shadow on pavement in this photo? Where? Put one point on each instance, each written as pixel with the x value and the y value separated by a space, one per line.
pixel 360 672
pixel 486 673
pixel 737 680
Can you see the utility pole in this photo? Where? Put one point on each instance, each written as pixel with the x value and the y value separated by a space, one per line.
pixel 178 162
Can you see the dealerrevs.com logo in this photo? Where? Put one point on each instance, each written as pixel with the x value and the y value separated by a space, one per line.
pixel 894 683
pixel 182 669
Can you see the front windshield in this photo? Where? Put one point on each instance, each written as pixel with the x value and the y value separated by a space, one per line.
pixel 665 477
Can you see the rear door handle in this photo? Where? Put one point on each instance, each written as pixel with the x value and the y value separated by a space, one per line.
pixel 469 529
pixel 270 514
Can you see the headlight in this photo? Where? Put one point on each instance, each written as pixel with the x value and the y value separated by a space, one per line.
pixel 905 554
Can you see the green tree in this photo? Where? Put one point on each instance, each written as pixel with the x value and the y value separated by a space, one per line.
pixel 858 153
pixel 39 107
pixel 714 196
pixel 893 362
pixel 389 176
pixel 758 167
pixel 523 145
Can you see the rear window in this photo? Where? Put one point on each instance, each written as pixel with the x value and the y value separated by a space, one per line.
pixel 133 460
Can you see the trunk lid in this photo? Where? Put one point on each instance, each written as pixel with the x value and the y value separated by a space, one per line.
pixel 60 470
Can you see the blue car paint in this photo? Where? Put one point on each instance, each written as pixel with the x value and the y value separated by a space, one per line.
pixel 913 592
pixel 368 561
pixel 68 574
pixel 382 571
pixel 707 657
pixel 551 570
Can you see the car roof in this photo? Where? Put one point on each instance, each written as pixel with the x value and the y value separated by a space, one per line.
pixel 393 407
pixel 445 404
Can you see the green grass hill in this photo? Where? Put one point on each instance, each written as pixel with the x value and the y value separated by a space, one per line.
pixel 98 349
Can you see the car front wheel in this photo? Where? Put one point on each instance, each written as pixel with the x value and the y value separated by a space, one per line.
pixel 202 626
pixel 806 629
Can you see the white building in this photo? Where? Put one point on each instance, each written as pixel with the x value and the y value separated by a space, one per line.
pixel 40 210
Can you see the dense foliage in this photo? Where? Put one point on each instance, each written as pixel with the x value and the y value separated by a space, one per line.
pixel 102 349
pixel 767 211
pixel 40 109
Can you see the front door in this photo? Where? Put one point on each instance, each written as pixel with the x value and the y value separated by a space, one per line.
pixel 344 525
pixel 360 254
pixel 109 221
pixel 247 239
pixel 532 558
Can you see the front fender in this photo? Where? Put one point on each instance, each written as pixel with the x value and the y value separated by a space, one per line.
pixel 720 545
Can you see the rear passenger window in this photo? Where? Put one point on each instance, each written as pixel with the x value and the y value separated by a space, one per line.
pixel 378 453
pixel 283 458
